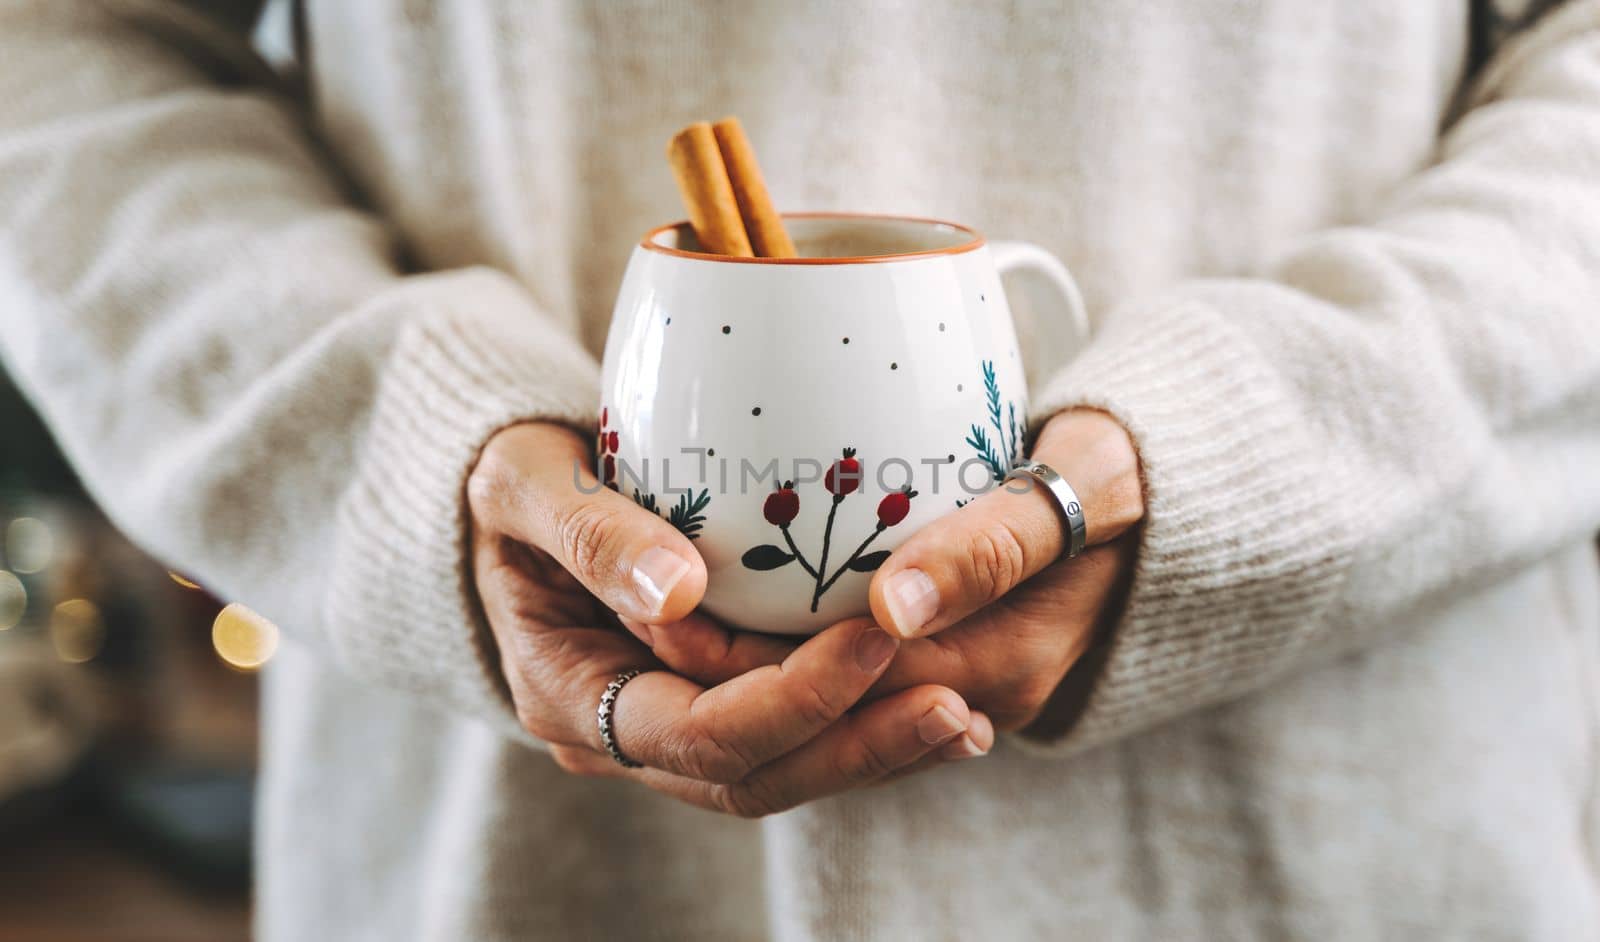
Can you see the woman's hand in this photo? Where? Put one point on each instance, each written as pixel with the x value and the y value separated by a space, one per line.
pixel 554 554
pixel 982 597
pixel 1003 615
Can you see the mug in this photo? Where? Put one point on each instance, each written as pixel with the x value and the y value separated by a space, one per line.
pixel 799 418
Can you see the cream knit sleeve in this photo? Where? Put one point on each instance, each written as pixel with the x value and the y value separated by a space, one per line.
pixel 230 355
pixel 1396 414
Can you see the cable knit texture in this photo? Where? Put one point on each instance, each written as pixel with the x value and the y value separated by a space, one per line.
pixel 1343 272
pixel 452 380
pixel 1228 464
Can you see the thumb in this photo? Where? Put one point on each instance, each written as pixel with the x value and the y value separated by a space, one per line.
pixel 967 559
pixel 533 483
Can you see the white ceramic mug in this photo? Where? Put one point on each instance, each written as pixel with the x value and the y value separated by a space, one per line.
pixel 878 373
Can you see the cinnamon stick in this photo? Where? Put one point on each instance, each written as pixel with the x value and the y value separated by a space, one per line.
pixel 703 180
pixel 761 220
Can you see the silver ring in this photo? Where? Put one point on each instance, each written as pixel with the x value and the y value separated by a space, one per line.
pixel 608 703
pixel 1065 497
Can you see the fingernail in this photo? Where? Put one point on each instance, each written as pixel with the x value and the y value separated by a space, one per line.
pixel 655 572
pixel 913 601
pixel 963 748
pixel 874 648
pixel 638 629
pixel 939 725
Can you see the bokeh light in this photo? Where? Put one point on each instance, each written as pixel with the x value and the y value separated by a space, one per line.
pixel 13 600
pixel 182 581
pixel 243 638
pixel 29 545
pixel 77 631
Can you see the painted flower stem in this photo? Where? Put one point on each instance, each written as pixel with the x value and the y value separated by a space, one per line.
pixel 783 504
pixel 845 566
pixel 799 556
pixel 822 565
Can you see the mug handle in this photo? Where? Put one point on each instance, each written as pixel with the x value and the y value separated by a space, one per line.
pixel 1048 286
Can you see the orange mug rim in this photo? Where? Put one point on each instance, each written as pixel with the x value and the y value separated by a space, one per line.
pixel 975 241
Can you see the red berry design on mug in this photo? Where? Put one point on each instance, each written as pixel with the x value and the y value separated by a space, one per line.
pixel 782 505
pixel 687 516
pixel 606 443
pixel 844 476
pixel 894 507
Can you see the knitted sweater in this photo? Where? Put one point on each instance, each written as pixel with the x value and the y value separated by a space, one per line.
pixel 1347 300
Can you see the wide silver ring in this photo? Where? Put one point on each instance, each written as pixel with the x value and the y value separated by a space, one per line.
pixel 608 705
pixel 1065 497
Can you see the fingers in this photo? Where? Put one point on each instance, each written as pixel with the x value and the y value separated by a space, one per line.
pixel 909 731
pixel 519 587
pixel 865 747
pixel 703 650
pixel 533 483
pixel 1010 681
pixel 964 561
pixel 1096 455
pixel 975 742
pixel 721 734
pixel 1009 659
pixel 557 675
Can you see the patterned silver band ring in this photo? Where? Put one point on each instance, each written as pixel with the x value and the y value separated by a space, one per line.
pixel 1065 497
pixel 608 704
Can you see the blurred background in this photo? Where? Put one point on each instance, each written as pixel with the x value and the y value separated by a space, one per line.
pixel 127 722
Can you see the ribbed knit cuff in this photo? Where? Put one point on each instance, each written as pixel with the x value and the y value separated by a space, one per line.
pixel 1245 538
pixel 474 358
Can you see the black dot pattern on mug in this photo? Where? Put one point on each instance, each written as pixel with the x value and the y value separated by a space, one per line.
pixel 958 387
pixel 711 452
pixel 727 329
pixel 894 366
pixel 669 322
pixel 847 340
pixel 941 327
pixel 756 411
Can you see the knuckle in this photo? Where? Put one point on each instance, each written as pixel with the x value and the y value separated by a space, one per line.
pixel 535 720
pixel 711 760
pixel 733 801
pixel 863 763
pixel 554 664
pixel 749 800
pixel 1010 722
pixel 489 481
pixel 812 707
pixel 573 761
pixel 545 669
pixel 993 560
pixel 1021 703
pixel 585 532
pixel 1034 693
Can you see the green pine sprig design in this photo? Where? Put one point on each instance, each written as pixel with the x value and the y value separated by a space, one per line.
pixel 1001 452
pixel 687 515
